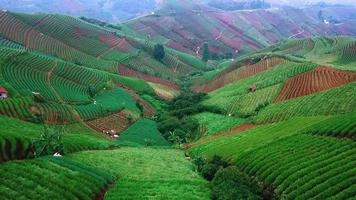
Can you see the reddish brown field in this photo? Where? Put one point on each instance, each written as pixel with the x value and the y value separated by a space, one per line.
pixel 238 74
pixel 117 122
pixel 132 73
pixel 322 78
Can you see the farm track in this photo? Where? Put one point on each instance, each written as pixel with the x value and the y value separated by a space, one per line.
pixel 320 79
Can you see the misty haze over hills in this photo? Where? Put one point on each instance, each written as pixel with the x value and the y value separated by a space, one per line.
pixel 122 10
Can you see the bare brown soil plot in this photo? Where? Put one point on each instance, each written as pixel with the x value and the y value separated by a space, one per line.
pixel 322 78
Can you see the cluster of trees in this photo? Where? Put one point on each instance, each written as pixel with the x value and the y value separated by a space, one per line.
pixel 228 182
pixel 159 52
pixel 100 23
pixel 239 5
pixel 177 125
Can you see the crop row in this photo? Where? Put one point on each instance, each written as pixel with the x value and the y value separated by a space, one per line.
pixel 234 146
pixel 17 31
pixel 53 179
pixel 224 97
pixel 305 167
pixel 341 126
pixel 131 73
pixel 331 102
pixel 348 54
pixel 7 43
pixel 320 79
pixel 16 107
pixel 227 77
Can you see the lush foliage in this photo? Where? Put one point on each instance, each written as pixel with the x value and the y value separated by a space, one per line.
pixel 147 172
pixel 50 142
pixel 143 133
pixel 158 52
pixel 51 178
pixel 212 123
pixel 231 183
pixel 177 123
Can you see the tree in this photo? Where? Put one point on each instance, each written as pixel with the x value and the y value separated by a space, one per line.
pixel 50 142
pixel 158 52
pixel 206 52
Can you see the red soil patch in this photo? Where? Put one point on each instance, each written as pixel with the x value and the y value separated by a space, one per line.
pixel 131 73
pixel 320 79
pixel 238 74
pixel 233 131
pixel 148 109
pixel 79 32
pixel 117 122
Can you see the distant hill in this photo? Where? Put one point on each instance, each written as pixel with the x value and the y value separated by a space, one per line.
pixel 107 10
pixel 186 27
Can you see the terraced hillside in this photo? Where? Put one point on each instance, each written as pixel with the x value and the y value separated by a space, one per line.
pixel 92 111
pixel 186 27
pixel 301 144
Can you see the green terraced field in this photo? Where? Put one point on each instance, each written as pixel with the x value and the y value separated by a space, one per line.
pixel 335 101
pixel 215 123
pixel 235 98
pixel 143 133
pixel 88 76
pixel 297 165
pixel 17 136
pixel 51 178
pixel 147 173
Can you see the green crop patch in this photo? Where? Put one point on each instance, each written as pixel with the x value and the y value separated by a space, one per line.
pixel 340 100
pixel 51 178
pixel 231 147
pixel 143 133
pixel 214 123
pixel 147 173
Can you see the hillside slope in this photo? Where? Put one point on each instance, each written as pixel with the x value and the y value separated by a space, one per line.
pixel 187 26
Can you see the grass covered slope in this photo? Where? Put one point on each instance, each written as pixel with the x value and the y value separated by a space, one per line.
pixel 146 173
pixel 143 133
pixel 51 178
pixel 340 100
pixel 296 165
pixel 17 136
pixel 214 123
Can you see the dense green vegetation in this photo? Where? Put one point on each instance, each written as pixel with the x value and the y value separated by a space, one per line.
pixel 177 124
pixel 147 172
pixel 235 98
pixel 118 103
pixel 335 101
pixel 51 178
pixel 214 123
pixel 143 133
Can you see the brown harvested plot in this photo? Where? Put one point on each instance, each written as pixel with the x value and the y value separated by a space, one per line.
pixel 245 71
pixel 235 130
pixel 322 78
pixel 117 122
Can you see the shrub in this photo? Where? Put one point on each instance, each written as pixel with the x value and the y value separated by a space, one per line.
pixel 231 183
pixel 209 170
pixel 158 52
pixel 50 142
